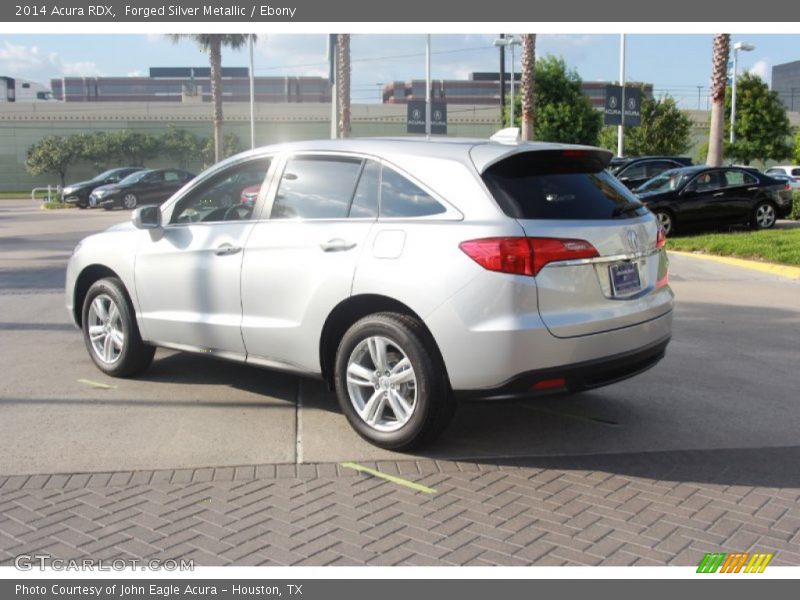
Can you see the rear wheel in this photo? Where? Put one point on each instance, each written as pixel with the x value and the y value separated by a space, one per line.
pixel 110 331
pixel 666 221
pixel 391 383
pixel 764 216
pixel 129 201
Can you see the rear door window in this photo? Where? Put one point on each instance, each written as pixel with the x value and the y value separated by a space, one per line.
pixel 316 188
pixel 568 185
pixel 739 178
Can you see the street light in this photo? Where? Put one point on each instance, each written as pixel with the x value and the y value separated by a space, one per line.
pixel 510 42
pixel 744 46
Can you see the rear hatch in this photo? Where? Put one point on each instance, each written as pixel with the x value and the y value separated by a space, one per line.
pixel 562 198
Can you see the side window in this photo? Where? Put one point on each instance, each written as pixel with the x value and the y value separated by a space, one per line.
pixel 170 176
pixel 657 167
pixel 156 177
pixel 637 171
pixel 402 198
pixel 795 172
pixel 365 201
pixel 739 178
pixel 316 188
pixel 230 196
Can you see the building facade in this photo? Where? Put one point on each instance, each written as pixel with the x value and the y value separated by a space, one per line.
pixel 786 81
pixel 482 89
pixel 190 84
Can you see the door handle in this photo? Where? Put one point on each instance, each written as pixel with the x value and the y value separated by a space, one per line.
pixel 227 249
pixel 337 245
pixel 719 194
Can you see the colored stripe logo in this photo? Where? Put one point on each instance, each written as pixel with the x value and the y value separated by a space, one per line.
pixel 738 562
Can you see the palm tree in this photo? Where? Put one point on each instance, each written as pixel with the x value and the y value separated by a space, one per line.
pixel 213 43
pixel 719 76
pixel 528 76
pixel 343 84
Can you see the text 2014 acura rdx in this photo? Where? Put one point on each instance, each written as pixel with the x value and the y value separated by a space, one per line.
pixel 405 273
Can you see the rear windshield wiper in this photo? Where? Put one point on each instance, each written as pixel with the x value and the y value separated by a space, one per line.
pixel 626 208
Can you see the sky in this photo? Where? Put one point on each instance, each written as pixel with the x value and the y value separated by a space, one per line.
pixel 675 64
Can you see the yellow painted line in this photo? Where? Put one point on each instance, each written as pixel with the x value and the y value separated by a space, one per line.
pixel 764 267
pixel 398 480
pixel 97 384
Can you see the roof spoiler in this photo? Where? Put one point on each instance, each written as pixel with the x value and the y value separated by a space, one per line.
pixel 509 135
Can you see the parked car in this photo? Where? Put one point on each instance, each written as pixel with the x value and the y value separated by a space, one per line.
pixel 702 195
pixel 792 182
pixel 406 274
pixel 78 193
pixel 790 170
pixel 150 186
pixel 633 171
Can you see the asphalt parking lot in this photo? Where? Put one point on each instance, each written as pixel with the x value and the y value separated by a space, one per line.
pixel 727 388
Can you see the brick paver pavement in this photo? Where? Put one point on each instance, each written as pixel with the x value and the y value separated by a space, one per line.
pixel 665 508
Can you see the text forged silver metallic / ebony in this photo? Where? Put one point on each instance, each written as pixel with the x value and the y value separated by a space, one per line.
pixel 405 273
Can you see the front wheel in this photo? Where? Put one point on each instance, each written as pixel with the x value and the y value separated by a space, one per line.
pixel 764 216
pixel 391 383
pixel 110 331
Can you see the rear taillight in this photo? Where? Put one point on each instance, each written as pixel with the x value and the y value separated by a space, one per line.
pixel 523 255
pixel 661 238
pixel 787 187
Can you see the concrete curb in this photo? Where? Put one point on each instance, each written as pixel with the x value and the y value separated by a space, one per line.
pixel 764 267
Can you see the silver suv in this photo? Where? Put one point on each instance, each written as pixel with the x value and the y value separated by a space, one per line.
pixel 404 273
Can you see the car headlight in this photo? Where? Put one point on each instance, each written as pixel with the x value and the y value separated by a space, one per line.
pixel 67 190
pixel 99 193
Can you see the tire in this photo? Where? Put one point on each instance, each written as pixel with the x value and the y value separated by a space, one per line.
pixel 110 331
pixel 129 201
pixel 82 205
pixel 666 220
pixel 108 206
pixel 400 415
pixel 764 216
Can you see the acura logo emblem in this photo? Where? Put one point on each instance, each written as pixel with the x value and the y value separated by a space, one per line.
pixel 633 240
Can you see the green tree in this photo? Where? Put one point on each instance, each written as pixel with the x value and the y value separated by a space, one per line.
pixel 664 130
pixel 231 145
pixel 212 43
pixel 797 147
pixel 762 127
pixel 97 148
pixel 54 154
pixel 563 112
pixel 132 148
pixel 182 146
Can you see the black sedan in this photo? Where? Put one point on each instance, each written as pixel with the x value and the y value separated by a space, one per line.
pixel 151 186
pixel 78 193
pixel 696 196
pixel 633 171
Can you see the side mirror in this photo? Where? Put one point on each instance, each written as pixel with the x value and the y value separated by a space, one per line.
pixel 147 217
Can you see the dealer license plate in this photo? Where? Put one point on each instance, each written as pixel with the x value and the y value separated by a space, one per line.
pixel 625 278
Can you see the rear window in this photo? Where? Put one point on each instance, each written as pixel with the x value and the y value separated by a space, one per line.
pixel 555 185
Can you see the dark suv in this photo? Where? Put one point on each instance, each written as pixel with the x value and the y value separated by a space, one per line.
pixel 633 171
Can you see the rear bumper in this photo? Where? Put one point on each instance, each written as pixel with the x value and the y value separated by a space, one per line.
pixel 576 377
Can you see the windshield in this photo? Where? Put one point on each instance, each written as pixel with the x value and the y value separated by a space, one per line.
pixel 666 182
pixel 134 177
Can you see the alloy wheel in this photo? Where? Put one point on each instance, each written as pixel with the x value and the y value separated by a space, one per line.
pixel 381 384
pixel 666 222
pixel 765 216
pixel 129 201
pixel 106 332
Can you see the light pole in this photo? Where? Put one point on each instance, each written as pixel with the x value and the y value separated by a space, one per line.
pixel 252 95
pixel 510 42
pixel 736 47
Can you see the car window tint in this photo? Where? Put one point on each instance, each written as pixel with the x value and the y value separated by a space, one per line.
pixel 316 188
pixel 656 167
pixel 551 185
pixel 795 172
pixel 365 201
pixel 734 178
pixel 171 176
pixel 229 196
pixel 637 171
pixel 402 198
pixel 154 177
